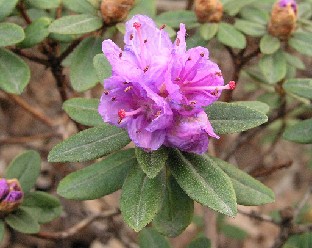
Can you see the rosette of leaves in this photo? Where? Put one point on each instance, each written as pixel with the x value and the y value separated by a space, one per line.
pixel 159 186
pixel 37 207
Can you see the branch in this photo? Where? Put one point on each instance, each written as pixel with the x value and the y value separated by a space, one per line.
pixel 258 216
pixel 303 201
pixel 22 10
pixel 33 111
pixel 27 139
pixel 69 49
pixel 76 228
pixel 31 57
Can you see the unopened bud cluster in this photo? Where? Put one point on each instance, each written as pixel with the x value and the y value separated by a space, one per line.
pixel 11 195
pixel 114 11
pixel 208 10
pixel 283 19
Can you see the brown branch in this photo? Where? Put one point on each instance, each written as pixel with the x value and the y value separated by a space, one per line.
pixel 263 172
pixel 27 139
pixel 21 8
pixel 30 109
pixel 69 49
pixel 76 228
pixel 258 216
pixel 303 201
pixel 31 57
pixel 189 4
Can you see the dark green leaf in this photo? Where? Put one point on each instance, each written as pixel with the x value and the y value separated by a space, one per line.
pixel 141 198
pixel 254 14
pixel 22 221
pixel 25 168
pixel 302 42
pixel 6 8
pixel 82 72
pixel 149 238
pixel 84 111
pixel 195 40
pixel 201 242
pixel 174 18
pixel 208 30
pixel 273 67
pixel 294 61
pixel 256 105
pixel 36 32
pixel 102 67
pixel 299 241
pixel 233 118
pixel 10 34
pixel 2 230
pixel 80 6
pixel 76 24
pixel 99 179
pixel 234 6
pixel 44 207
pixel 300 132
pixel 250 28
pixel 152 162
pixel 269 44
pixel 176 212
pixel 89 144
pixel 203 181
pixel 44 4
pixel 299 86
pixel 14 72
pixel 249 191
pixel 233 232
pixel 230 36
pixel 143 7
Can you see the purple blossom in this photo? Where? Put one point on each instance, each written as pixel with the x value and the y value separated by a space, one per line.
pixel 4 188
pixel 291 3
pixel 158 89
pixel 13 196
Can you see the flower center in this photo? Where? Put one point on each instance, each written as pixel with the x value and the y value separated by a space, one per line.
pixel 122 114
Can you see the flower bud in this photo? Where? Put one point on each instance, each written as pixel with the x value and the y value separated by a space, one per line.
pixel 11 196
pixel 208 10
pixel 283 19
pixel 114 11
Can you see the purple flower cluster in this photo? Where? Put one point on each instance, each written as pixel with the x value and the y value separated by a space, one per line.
pixel 158 89
pixel 291 3
pixel 10 191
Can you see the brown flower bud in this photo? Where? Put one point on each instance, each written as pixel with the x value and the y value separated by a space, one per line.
pixel 11 196
pixel 114 11
pixel 208 10
pixel 283 19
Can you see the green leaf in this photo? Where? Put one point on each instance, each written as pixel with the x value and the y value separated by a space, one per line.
pixel 201 242
pixel 22 221
pixel 25 168
pixel 294 61
pixel 299 86
pixel 230 36
pixel 254 14
pixel 300 132
pixel 76 24
pixel 102 67
pixel 6 8
pixel 302 42
pixel 233 232
pixel 99 179
pixel 44 4
pixel 80 6
pixel 304 11
pixel 84 111
pixel 299 241
pixel 43 206
pixel 141 198
pixel 176 212
pixel 14 72
pixel 250 28
pixel 234 6
pixel 10 34
pixel 249 191
pixel 256 105
pixel 82 72
pixel 273 67
pixel 203 181
pixel 269 44
pixel 195 40
pixel 152 162
pixel 36 32
pixel 174 18
pixel 143 7
pixel 233 118
pixel 89 144
pixel 2 230
pixel 208 30
pixel 149 238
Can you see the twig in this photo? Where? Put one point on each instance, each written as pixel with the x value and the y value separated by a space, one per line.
pixel 27 139
pixel 33 111
pixel 31 57
pixel 76 228
pixel 262 172
pixel 69 49
pixel 21 8
pixel 303 201
pixel 211 232
pixel 258 216
pixel 189 4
